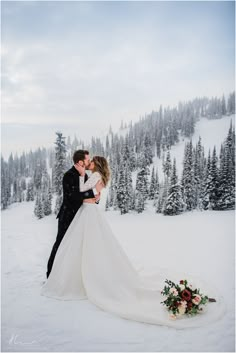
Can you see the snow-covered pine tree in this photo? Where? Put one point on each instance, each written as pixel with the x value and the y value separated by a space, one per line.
pixel 142 184
pixel 223 105
pixel 30 191
pixel 47 204
pixel 157 190
pixel 152 188
pixel 17 191
pixel 140 202
pixel 174 204
pixel 59 169
pixel 115 179
pixel 163 191
pixel 231 104
pixel 46 195
pixel 129 185
pixel 198 173
pixel 38 209
pixel 23 184
pixel 207 183
pixel 5 185
pixel 133 203
pixel 187 182
pixel 122 192
pixel 75 144
pixel 213 190
pixel 113 185
pixel 107 147
pixel 167 164
pixel 147 149
pixel 226 190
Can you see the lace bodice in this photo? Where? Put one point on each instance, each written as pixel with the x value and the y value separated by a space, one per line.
pixel 90 183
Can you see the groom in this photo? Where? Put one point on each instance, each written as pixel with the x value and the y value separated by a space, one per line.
pixel 72 199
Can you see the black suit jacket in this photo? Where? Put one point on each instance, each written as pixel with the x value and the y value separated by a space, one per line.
pixel 72 197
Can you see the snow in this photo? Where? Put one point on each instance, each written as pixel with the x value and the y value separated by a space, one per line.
pixel 213 132
pixel 198 242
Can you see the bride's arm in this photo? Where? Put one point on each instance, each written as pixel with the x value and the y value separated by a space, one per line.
pixel 90 183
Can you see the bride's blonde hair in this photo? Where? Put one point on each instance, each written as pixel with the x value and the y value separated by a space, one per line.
pixel 101 166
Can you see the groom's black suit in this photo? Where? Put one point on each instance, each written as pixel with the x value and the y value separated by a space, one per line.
pixel 72 201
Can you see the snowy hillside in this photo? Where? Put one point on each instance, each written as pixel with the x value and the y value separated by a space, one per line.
pixel 212 132
pixel 31 322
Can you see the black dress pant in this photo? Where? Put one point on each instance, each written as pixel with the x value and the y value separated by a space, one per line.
pixel 63 225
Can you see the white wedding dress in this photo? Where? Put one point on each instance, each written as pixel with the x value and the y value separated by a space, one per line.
pixel 91 264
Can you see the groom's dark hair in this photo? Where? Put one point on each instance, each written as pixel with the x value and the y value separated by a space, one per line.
pixel 79 155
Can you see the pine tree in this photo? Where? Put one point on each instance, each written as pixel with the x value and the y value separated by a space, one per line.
pixel 187 183
pixel 122 193
pixel 207 184
pixel 30 191
pixel 129 186
pixel 140 203
pixel 152 188
pixel 147 149
pixel 38 209
pixel 163 191
pixel 5 184
pixel 174 204
pixel 167 165
pixel 157 191
pixel 59 169
pixel 226 190
pixel 198 168
pixel 231 104
pixel 213 190
pixel 142 181
pixel 223 106
pixel 133 200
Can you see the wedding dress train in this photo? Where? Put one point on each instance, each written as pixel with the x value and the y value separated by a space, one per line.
pixel 91 264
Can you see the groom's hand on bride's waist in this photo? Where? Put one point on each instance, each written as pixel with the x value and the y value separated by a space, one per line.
pixel 90 200
pixel 97 197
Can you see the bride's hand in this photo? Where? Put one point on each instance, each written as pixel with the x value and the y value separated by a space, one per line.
pixel 80 169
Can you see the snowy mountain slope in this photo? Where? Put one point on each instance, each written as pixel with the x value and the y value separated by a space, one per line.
pixel 212 132
pixel 201 243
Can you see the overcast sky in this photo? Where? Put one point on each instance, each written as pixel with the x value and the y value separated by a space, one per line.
pixel 82 66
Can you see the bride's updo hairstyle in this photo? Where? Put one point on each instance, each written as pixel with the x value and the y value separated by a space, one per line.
pixel 101 166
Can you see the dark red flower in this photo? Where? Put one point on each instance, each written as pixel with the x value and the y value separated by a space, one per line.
pixel 189 305
pixel 186 295
pixel 181 282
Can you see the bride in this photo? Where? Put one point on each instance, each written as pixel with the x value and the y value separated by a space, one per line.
pixel 91 264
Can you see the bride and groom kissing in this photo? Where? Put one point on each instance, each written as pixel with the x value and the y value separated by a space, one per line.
pixel 88 262
pixel 72 196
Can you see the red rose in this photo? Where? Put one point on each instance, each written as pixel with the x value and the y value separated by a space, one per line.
pixel 186 295
pixel 181 282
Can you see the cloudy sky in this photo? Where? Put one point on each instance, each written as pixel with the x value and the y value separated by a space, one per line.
pixel 82 66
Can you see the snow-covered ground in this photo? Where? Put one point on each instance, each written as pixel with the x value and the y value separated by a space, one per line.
pixel 199 242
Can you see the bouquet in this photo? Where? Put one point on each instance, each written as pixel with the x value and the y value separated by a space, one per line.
pixel 183 299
